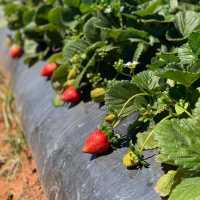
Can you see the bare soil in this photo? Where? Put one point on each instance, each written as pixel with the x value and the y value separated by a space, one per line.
pixel 18 173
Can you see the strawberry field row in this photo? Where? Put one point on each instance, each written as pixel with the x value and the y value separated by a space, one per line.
pixel 133 56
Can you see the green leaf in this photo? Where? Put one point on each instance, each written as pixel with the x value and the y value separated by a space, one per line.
pixel 73 47
pixel 55 16
pixel 118 94
pixel 28 16
pixel 57 102
pixel 141 47
pixel 14 15
pixel 162 59
pixel 194 41
pixel 72 3
pixel 60 76
pixel 196 110
pixel 10 9
pixel 41 15
pixel 165 183
pixel 53 36
pixel 161 104
pixel 88 6
pixel 173 4
pixel 151 7
pixel 188 189
pixel 30 47
pixel 32 31
pixel 183 77
pixel 57 58
pixel 187 22
pixel 179 142
pixel 150 144
pixel 186 55
pixel 60 16
pixel 124 35
pixel 147 81
pixel 91 29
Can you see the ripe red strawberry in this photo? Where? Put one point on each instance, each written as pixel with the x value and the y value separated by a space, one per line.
pixel 48 69
pixel 71 95
pixel 15 51
pixel 96 143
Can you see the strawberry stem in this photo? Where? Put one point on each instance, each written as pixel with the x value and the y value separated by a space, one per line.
pixel 188 113
pixel 151 133
pixel 89 64
pixel 125 104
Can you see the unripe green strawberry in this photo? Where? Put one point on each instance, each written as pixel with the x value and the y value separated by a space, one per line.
pixel 98 94
pixel 130 159
pixel 110 118
pixel 72 74
pixel 15 51
pixel 96 143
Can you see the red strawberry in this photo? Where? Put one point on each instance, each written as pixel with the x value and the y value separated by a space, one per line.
pixel 15 51
pixel 96 143
pixel 71 95
pixel 48 69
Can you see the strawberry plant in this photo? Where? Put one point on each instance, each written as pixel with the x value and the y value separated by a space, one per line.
pixel 136 56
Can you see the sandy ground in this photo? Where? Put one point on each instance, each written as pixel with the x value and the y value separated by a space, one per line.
pixel 18 174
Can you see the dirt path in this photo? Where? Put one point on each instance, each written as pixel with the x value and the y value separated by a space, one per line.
pixel 18 173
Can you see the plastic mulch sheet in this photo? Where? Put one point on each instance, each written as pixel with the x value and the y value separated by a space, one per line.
pixel 56 136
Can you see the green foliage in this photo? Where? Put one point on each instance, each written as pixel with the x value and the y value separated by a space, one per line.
pixel 57 102
pixel 187 22
pixel 179 141
pixel 147 81
pixel 59 77
pixel 120 93
pixel 183 77
pixel 150 144
pixel 166 183
pixel 73 47
pixel 92 29
pixel 187 190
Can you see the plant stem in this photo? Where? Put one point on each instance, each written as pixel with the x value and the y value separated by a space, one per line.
pixel 188 113
pixel 129 100
pixel 126 103
pixel 89 64
pixel 151 133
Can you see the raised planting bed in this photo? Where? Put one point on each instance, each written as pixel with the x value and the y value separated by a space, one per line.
pixel 56 137
pixel 139 61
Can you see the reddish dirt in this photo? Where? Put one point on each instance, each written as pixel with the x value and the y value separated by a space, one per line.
pixel 18 174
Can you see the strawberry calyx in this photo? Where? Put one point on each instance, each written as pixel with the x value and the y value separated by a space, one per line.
pixel 133 157
pixel 115 140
